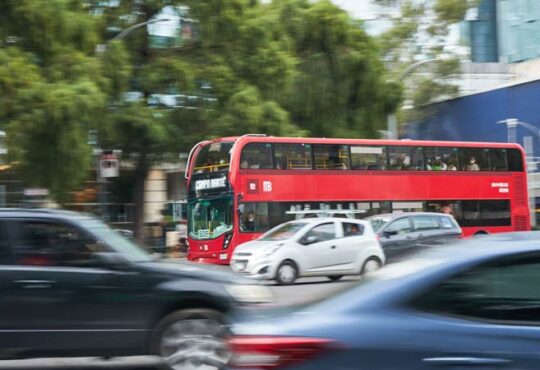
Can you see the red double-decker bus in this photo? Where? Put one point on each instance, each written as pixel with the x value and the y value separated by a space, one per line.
pixel 242 186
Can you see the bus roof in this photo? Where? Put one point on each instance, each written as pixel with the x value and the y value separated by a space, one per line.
pixel 404 142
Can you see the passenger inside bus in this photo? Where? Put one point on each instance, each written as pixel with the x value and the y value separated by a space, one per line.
pixel 473 166
pixel 445 208
pixel 249 223
pixel 255 165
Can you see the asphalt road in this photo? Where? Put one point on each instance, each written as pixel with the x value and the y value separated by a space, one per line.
pixel 305 290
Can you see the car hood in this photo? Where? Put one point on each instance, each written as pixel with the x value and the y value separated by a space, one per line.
pixel 257 246
pixel 221 274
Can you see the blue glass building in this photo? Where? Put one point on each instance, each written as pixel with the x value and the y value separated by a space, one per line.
pixel 506 31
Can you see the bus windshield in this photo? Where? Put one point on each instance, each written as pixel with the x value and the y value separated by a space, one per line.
pixel 210 218
pixel 213 157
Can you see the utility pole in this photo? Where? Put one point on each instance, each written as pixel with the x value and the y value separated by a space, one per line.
pixel 391 121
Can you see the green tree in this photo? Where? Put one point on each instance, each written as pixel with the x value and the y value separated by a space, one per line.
pixel 49 134
pixel 292 67
pixel 419 33
pixel 51 90
pixel 340 88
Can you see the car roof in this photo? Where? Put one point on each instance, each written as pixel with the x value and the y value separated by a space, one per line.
pixel 489 246
pixel 328 219
pixel 42 212
pixel 396 215
pixel 398 282
pixel 473 250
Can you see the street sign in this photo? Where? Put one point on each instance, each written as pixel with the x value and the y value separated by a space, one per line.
pixel 109 165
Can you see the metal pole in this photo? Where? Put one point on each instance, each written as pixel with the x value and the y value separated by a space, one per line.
pixel 512 133
pixel 391 121
pixel 127 31
pixel 101 186
pixel 391 124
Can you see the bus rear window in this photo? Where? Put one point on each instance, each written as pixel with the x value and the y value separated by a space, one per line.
pixel 515 160
pixel 213 157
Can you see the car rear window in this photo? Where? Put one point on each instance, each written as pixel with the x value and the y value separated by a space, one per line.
pixel 352 229
pixel 425 223
pixel 446 222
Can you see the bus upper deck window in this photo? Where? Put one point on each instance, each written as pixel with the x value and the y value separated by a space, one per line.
pixel 213 157
pixel 293 156
pixel 257 156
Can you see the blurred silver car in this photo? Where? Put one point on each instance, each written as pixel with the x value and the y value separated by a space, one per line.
pixel 331 247
pixel 463 306
pixel 401 234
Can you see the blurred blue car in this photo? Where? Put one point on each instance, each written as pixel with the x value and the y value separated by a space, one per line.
pixel 470 305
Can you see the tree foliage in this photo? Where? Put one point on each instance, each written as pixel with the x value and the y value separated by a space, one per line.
pixel 49 134
pixel 421 32
pixel 51 90
pixel 289 67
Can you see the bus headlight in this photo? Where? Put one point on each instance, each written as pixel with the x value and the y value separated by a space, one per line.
pixel 227 241
pixel 250 293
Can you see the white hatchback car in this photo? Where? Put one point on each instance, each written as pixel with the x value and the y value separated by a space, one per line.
pixel 330 247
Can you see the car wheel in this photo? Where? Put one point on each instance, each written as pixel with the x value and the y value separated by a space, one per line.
pixel 335 277
pixel 371 265
pixel 192 340
pixel 286 273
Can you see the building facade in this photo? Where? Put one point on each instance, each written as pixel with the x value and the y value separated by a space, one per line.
pixel 506 31
pixel 477 117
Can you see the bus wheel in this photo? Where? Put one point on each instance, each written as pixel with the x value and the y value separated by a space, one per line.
pixel 286 273
pixel 371 265
pixel 480 233
pixel 335 277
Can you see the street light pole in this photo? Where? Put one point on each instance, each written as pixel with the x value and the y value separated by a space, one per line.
pixel 127 31
pixel 511 126
pixel 391 120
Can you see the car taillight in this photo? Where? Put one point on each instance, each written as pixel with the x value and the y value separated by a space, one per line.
pixel 274 352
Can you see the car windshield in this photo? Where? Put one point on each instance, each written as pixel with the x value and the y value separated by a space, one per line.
pixel 283 232
pixel 395 271
pixel 378 222
pixel 116 241
pixel 210 218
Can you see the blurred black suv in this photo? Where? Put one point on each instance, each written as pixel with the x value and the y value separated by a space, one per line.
pixel 70 286
pixel 404 233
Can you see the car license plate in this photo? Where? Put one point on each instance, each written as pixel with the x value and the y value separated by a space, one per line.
pixel 240 266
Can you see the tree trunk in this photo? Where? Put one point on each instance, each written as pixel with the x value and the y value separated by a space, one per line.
pixel 141 172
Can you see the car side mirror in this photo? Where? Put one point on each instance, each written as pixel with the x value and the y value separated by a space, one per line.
pixel 128 234
pixel 388 234
pixel 312 239
pixel 112 260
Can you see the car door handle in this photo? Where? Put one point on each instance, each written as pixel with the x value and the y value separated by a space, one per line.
pixel 420 236
pixel 34 284
pixel 333 247
pixel 466 361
